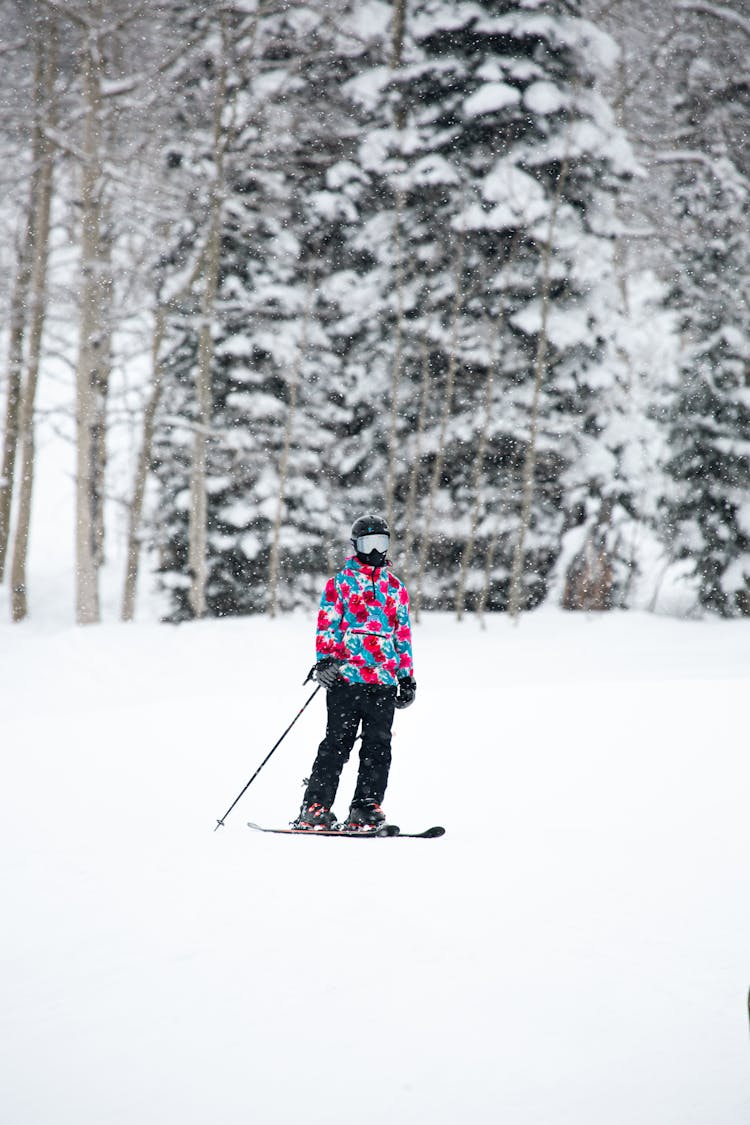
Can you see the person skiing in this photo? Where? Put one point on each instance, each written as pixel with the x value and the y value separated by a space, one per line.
pixel 364 661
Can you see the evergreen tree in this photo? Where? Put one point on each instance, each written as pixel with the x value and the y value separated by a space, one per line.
pixel 410 259
pixel 487 177
pixel 707 514
pixel 282 330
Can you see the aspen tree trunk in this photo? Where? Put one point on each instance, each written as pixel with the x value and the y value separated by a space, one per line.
pixel 46 48
pixel 397 48
pixel 89 373
pixel 476 482
pixel 390 487
pixel 16 334
pixel 437 468
pixel 18 318
pixel 540 370
pixel 145 457
pixel 294 380
pixel 398 28
pixel 410 514
pixel 100 385
pixel 489 562
pixel 274 561
pixel 198 531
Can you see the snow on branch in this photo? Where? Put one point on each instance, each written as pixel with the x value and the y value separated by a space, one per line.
pixel 717 11
pixel 17 45
pixel 68 13
pixel 686 156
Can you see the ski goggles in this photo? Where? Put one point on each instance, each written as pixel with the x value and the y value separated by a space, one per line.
pixel 375 542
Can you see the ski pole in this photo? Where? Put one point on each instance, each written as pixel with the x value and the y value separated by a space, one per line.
pixel 219 823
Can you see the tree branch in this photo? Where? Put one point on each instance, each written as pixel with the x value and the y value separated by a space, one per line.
pixel 715 11
pixel 68 14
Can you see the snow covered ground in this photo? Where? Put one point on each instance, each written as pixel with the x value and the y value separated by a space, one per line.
pixel 575 950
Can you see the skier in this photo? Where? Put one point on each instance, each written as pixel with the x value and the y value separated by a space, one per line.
pixel 364 660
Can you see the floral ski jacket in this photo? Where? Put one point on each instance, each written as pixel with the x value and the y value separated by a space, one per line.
pixel 364 621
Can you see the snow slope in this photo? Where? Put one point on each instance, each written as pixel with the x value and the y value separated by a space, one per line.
pixel 576 949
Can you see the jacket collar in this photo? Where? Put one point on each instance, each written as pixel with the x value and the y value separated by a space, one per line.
pixel 353 563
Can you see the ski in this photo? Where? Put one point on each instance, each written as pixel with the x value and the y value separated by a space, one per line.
pixel 386 831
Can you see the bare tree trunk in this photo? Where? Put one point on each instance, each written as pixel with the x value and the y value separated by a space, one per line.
pixel 100 377
pixel 489 562
pixel 18 320
pixel 46 48
pixel 476 482
pixel 437 467
pixel 540 370
pixel 274 561
pixel 145 457
pixel 390 486
pixel 397 32
pixel 410 513
pixel 15 367
pixel 397 49
pixel 91 332
pixel 198 533
pixel 294 380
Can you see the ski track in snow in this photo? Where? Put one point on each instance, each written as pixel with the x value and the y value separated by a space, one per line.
pixel 575 950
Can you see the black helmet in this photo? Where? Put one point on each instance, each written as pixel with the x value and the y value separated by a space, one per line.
pixel 369 525
pixel 370 538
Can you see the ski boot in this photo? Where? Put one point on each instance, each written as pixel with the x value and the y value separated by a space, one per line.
pixel 366 816
pixel 314 816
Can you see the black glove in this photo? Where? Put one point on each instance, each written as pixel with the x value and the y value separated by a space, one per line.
pixel 326 671
pixel 407 689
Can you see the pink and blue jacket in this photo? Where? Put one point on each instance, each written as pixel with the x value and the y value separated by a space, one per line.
pixel 364 621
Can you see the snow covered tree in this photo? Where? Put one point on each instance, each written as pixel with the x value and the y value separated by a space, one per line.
pixel 707 513
pixel 281 322
pixel 487 172
pixel 614 532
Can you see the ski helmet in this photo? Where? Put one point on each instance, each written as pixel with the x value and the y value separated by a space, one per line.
pixel 370 538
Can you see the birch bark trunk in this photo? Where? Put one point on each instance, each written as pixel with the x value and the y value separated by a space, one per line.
pixel 47 49
pixel 18 320
pixel 135 513
pixel 198 529
pixel 89 373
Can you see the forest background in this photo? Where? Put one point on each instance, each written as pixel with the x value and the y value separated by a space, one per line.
pixel 480 265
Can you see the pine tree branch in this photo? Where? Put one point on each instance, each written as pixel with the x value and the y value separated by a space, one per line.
pixel 9 48
pixel 69 14
pixel 715 11
pixel 689 156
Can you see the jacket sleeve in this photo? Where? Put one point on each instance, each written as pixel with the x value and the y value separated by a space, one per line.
pixel 328 639
pixel 403 636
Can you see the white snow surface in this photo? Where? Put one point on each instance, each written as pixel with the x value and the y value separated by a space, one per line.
pixel 575 950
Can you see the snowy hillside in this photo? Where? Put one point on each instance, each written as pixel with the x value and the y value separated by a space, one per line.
pixel 575 950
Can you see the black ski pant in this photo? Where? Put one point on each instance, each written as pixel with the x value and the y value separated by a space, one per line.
pixel 373 706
